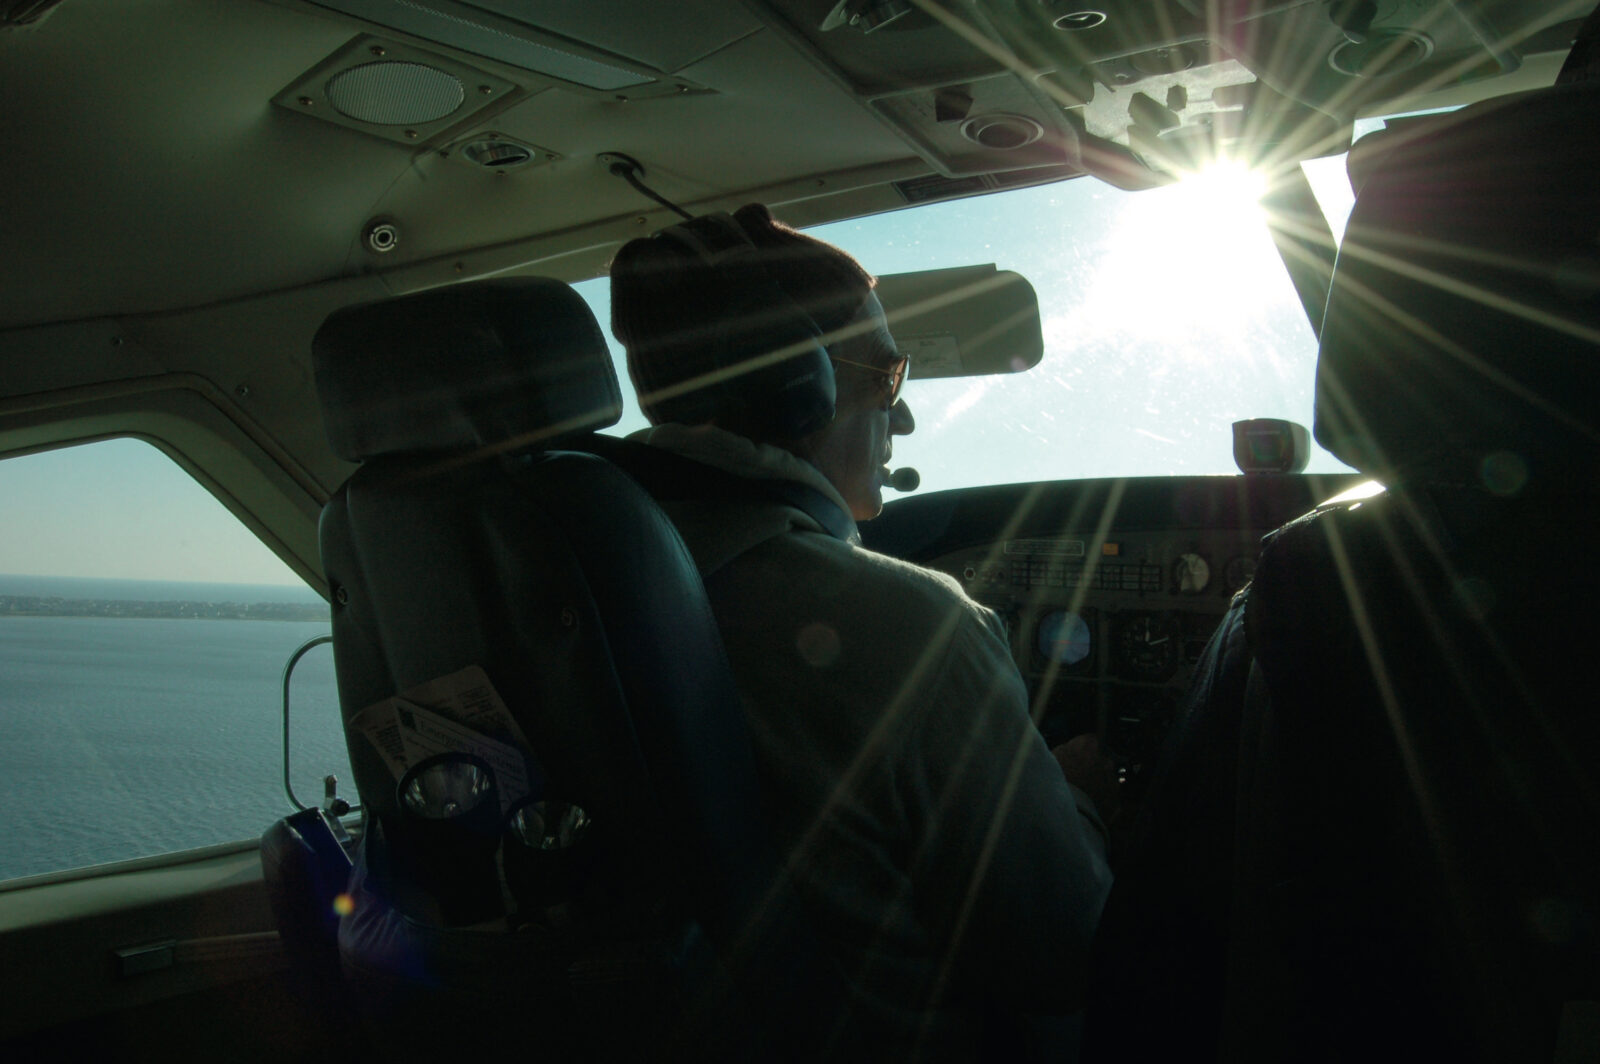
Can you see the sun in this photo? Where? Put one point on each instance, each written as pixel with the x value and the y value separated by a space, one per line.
pixel 1227 183
pixel 1218 204
pixel 1182 256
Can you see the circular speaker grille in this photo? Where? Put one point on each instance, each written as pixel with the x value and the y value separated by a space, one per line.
pixel 1382 52
pixel 395 94
pixel 1002 132
pixel 1080 20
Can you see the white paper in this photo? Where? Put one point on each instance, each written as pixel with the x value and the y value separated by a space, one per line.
pixel 459 713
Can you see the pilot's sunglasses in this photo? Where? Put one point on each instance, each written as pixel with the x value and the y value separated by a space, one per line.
pixel 895 374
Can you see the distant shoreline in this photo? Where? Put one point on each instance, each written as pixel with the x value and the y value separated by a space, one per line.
pixel 58 606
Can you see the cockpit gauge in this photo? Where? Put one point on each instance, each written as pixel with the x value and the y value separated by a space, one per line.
pixel 1063 638
pixel 1191 573
pixel 1147 646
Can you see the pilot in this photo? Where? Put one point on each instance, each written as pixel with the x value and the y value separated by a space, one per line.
pixel 950 868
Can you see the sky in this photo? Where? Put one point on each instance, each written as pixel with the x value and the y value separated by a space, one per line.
pixel 1166 316
pixel 122 509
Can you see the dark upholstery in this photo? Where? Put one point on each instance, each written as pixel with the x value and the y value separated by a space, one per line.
pixel 1418 862
pixel 1376 832
pixel 458 544
pixel 491 364
pixel 305 868
pixel 1463 324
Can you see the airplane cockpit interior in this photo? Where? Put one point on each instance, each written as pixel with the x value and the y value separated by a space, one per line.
pixel 369 694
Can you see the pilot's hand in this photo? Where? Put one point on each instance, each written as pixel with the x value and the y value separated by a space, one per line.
pixel 1087 767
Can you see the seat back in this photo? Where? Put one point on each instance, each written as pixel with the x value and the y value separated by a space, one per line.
pixel 1460 337
pixel 1418 817
pixel 1375 834
pixel 479 532
pixel 1419 826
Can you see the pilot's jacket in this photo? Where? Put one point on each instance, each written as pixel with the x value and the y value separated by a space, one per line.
pixel 945 860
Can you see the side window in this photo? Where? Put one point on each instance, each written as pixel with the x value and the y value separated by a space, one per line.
pixel 143 635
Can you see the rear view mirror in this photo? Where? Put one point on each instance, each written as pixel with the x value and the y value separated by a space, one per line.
pixel 968 321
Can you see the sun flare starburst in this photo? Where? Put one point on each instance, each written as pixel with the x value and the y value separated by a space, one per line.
pixel 1180 260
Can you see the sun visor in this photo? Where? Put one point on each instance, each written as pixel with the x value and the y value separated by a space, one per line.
pixel 968 321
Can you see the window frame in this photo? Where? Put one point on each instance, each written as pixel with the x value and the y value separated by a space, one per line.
pixel 207 435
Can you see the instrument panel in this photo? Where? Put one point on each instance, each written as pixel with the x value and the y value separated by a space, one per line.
pixel 1110 589
pixel 1106 628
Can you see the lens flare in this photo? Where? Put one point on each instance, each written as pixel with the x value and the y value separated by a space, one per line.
pixel 1182 260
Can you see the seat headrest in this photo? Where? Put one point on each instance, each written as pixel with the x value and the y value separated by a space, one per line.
pixel 508 361
pixel 1462 329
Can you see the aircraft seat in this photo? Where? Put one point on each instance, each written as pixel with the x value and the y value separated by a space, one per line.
pixel 1377 832
pixel 479 533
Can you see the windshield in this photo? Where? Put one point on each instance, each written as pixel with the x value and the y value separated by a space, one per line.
pixel 1167 315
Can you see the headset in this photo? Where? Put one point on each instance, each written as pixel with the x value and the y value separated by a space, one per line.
pixel 768 354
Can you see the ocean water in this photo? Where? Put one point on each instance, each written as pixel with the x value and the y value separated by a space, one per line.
pixel 127 737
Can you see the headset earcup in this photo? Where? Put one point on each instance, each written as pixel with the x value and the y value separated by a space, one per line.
pixel 793 396
pixel 807 397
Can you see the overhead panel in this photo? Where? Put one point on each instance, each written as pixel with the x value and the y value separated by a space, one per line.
pixel 1136 89
pixel 937 79
pixel 506 33
pixel 1343 57
pixel 676 36
pixel 979 126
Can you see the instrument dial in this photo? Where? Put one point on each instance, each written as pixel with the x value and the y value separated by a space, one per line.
pixel 1064 638
pixel 1191 573
pixel 1146 646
